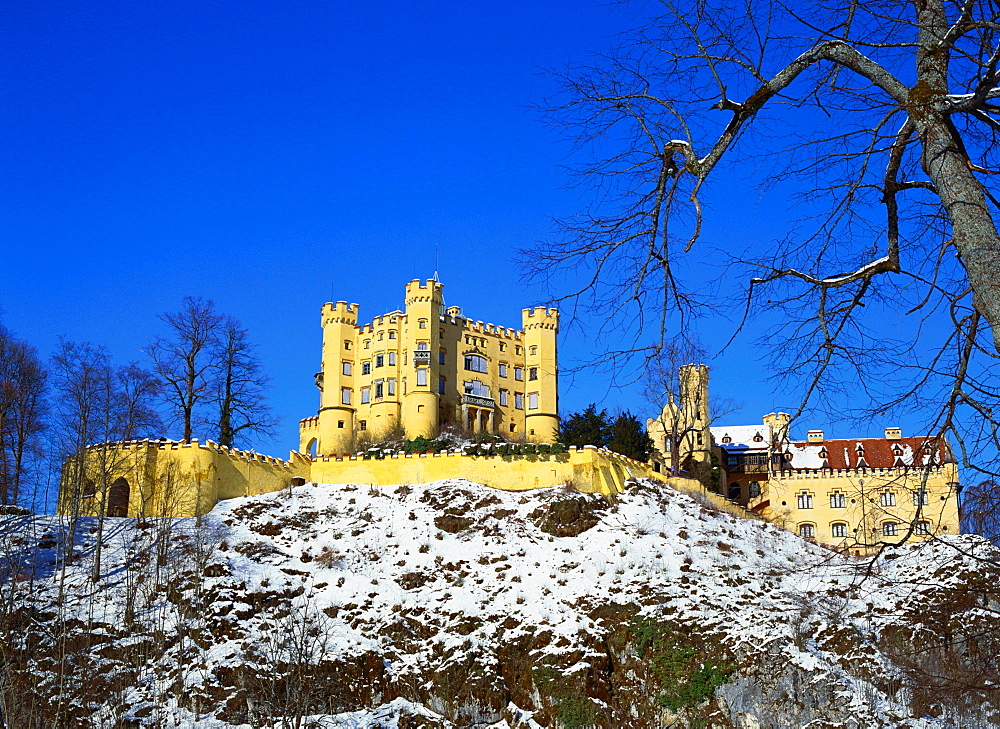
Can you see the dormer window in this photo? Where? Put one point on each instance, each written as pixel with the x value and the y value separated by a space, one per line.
pixel 823 453
pixel 897 451
pixel 758 438
pixel 726 439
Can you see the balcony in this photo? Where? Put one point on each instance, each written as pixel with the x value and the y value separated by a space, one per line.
pixel 478 401
pixel 422 357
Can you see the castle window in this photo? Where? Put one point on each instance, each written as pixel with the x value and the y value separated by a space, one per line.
pixel 477 388
pixel 533 401
pixel 421 346
pixel 838 530
pixel 441 385
pixel 347 368
pixel 519 401
pixel 807 531
pixel 392 359
pixel 754 490
pixel 366 395
pixel 503 398
pixel 735 491
pixel 89 489
pixel 534 351
pixel 519 374
pixel 837 500
pixel 503 347
pixel 347 344
pixel 363 425
pixel 392 387
pixel 345 395
pixel 701 439
pixel 441 357
pixel 920 498
pixel 368 344
pixel 381 336
pixel 726 439
pixel 532 373
pixel 823 453
pixel 340 424
pixel 517 350
pixel 503 370
pixel 379 389
pixel 923 528
pixel 758 438
pixel 805 500
pixel 392 335
pixel 475 363
pixel 366 368
pixel 422 323
pixel 513 428
pixel 889 529
pixel 379 360
pixel 422 377
pixel 888 498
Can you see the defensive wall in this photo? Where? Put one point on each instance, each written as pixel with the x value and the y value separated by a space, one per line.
pixel 162 478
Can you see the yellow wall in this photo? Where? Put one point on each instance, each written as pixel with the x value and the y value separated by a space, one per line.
pixel 863 512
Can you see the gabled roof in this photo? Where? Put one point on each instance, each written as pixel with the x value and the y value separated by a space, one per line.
pixel 742 436
pixel 873 453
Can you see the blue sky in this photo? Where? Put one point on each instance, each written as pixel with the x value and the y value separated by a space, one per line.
pixel 274 156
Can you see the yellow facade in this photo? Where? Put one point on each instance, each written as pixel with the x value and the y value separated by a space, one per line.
pixel 428 366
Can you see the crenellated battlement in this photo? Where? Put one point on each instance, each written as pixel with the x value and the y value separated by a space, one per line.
pixel 420 291
pixel 540 317
pixel 340 313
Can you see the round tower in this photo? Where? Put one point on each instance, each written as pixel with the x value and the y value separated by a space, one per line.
pixel 421 340
pixel 541 386
pixel 694 412
pixel 336 378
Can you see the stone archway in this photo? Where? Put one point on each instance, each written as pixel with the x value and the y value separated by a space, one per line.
pixel 118 498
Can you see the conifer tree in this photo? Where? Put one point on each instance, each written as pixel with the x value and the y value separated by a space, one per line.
pixel 628 437
pixel 586 428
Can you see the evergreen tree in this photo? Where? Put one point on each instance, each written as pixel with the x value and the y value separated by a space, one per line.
pixel 628 437
pixel 587 428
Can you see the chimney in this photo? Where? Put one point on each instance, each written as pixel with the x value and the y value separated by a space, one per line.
pixel 815 436
pixel 893 433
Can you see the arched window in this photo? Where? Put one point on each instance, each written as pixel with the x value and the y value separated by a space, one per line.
pixel 311 447
pixel 808 531
pixel 838 530
pixel 475 363
pixel 923 527
pixel 735 491
pixel 118 498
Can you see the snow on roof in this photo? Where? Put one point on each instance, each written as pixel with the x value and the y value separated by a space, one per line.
pixel 741 436
pixel 876 452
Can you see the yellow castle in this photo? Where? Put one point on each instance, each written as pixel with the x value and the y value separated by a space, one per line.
pixel 427 366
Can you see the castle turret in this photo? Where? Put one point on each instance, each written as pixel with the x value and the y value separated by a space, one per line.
pixel 541 326
pixel 336 380
pixel 422 340
pixel 697 441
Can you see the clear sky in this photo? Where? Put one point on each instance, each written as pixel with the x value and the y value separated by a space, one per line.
pixel 274 156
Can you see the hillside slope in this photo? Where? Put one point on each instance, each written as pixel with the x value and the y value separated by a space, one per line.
pixel 452 604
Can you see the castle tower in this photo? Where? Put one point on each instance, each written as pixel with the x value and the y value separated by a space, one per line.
pixel 422 340
pixel 336 379
pixel 541 326
pixel 694 412
pixel 777 423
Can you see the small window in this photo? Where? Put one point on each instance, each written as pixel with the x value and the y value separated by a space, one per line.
pixel 920 498
pixel 808 531
pixel 726 439
pixel 340 424
pixel 422 323
pixel 805 500
pixel 823 453
pixel 392 359
pixel 392 387
pixel 347 344
pixel 366 368
pixel 758 438
pixel 347 368
pixel 735 491
pixel 839 531
pixel 475 363
pixel 534 351
pixel 368 344
pixel 89 489
pixel 837 500
pixel 519 401
pixel 421 346
pixel 518 350
pixel 381 336
pixel 366 395
pixel 923 528
pixel 422 377
pixel 754 490
pixel 890 529
pixel 392 335
pixel 503 347
pixel 379 389
pixel 502 370
pixel 380 360
pixel 532 373
pixel 363 424
pixel 503 398
pixel 701 439
pixel 440 385
pixel 441 357
pixel 519 374
pixel 888 498
pixel 533 401
pixel 345 395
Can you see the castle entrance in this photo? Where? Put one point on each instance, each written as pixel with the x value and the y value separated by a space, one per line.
pixel 118 498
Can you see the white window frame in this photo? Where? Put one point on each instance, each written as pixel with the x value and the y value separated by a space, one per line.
pixel 519 374
pixel 519 401
pixel 476 363
pixel 838 527
pixel 345 396
pixel 422 377
pixel 890 529
pixel 346 369
pixel 392 359
pixel 391 387
pixel 838 500
pixel 366 395
pixel 888 498
pixel 503 398
pixel 921 498
pixel 807 531
pixel 532 401
pixel 804 500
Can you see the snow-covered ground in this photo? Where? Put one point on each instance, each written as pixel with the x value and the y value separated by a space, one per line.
pixel 451 603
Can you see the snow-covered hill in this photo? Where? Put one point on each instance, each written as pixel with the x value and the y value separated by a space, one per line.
pixel 453 604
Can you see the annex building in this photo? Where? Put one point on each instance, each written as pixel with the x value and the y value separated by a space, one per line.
pixel 426 366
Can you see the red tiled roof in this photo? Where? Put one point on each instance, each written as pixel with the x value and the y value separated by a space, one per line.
pixel 877 453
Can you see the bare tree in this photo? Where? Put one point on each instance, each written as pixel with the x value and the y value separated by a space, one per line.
pixel 883 116
pixel 184 361
pixel 22 410
pixel 240 405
